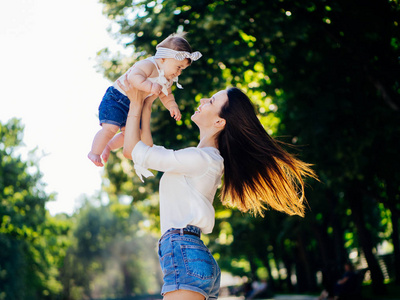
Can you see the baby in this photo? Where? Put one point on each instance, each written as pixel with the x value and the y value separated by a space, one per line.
pixel 152 77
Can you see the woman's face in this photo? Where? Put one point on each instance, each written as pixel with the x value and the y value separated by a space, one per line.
pixel 208 112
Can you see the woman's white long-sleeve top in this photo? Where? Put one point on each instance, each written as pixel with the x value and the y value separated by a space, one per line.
pixel 188 186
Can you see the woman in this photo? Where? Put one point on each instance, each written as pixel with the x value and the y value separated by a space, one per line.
pixel 257 172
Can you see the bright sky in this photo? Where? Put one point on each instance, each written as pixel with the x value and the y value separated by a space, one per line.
pixel 48 80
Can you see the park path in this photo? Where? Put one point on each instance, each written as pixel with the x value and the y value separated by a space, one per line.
pixel 293 297
pixel 277 297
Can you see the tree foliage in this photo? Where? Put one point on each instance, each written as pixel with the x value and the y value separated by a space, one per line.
pixel 323 76
pixel 99 251
pixel 113 254
pixel 32 243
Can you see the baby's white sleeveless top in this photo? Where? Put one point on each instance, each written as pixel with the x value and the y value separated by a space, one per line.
pixel 161 80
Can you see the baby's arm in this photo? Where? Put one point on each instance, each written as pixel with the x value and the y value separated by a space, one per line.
pixel 170 104
pixel 138 75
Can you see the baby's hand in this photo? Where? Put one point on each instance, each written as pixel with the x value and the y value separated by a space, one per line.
pixel 156 88
pixel 175 113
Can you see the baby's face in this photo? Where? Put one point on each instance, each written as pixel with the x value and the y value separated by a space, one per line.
pixel 173 68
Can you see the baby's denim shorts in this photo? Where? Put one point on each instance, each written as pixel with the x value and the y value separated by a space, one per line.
pixel 114 108
pixel 187 264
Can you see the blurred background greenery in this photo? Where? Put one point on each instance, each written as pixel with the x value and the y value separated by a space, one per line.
pixel 324 78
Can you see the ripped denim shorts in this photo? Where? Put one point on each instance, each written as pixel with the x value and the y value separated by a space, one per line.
pixel 187 263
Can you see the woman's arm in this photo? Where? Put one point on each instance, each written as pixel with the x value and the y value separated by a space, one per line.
pixel 132 128
pixel 146 136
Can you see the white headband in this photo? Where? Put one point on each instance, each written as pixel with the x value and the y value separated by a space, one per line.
pixel 178 55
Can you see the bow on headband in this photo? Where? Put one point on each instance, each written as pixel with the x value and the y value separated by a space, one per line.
pixel 178 55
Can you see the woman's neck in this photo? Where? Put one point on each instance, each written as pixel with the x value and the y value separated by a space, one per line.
pixel 207 140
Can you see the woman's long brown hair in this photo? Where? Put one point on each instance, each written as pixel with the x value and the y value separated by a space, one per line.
pixel 258 173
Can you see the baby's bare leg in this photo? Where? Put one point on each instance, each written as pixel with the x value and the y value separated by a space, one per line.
pixel 103 136
pixel 115 143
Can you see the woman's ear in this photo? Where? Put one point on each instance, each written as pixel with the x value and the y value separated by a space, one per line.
pixel 220 123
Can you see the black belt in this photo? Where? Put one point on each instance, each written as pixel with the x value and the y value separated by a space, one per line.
pixel 184 232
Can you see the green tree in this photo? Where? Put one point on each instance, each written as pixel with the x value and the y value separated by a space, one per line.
pixel 113 253
pixel 32 243
pixel 324 75
pixel 342 102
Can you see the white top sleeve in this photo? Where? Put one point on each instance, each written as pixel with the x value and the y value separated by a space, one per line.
pixel 188 161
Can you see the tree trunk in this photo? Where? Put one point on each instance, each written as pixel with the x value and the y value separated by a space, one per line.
pixel 356 205
pixel 391 204
pixel 253 269
pixel 337 250
pixel 396 247
pixel 288 266
pixel 265 260
pixel 322 242
pixel 306 280
pixel 128 280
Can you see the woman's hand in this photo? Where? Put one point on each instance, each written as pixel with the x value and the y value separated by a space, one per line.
pixel 148 101
pixel 156 88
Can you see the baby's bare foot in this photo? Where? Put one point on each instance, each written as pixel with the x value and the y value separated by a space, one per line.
pixel 96 159
pixel 106 153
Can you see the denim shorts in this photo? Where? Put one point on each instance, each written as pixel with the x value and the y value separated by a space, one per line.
pixel 187 264
pixel 114 108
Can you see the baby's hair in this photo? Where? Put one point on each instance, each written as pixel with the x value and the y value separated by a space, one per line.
pixel 177 42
